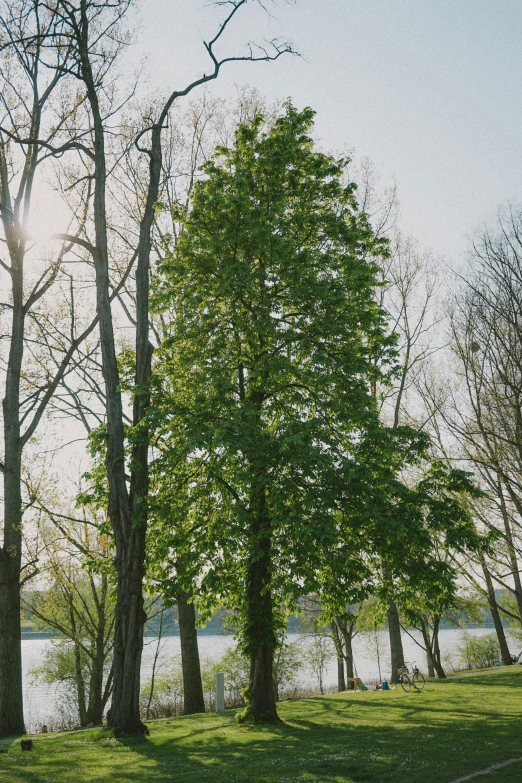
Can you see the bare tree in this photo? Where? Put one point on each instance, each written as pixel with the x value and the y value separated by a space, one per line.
pixel 76 600
pixel 33 117
pixel 476 407
pixel 95 35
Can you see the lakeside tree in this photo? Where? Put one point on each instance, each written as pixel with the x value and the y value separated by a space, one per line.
pixel 264 391
pixel 480 407
pixel 34 112
pixel 409 298
pixel 76 600
pixel 91 36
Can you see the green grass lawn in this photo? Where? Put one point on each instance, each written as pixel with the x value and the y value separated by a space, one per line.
pixel 450 729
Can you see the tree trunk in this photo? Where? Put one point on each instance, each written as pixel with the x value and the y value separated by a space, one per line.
pixel 96 703
pixel 124 714
pixel 11 696
pixel 441 674
pixel 396 650
pixel 428 647
pixel 127 514
pixel 348 652
pixel 260 637
pixel 341 682
pixel 499 628
pixel 512 556
pixel 80 685
pixel 193 700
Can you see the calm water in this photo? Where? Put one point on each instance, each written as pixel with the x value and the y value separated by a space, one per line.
pixel 41 701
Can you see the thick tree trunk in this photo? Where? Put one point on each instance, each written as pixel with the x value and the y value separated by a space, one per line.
pixel 124 714
pixel 11 698
pixel 428 647
pixel 348 652
pixel 341 681
pixel 499 628
pixel 80 685
pixel 127 513
pixel 259 626
pixel 193 700
pixel 441 674
pixel 396 650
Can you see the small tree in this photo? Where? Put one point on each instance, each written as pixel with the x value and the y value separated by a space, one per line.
pixel 79 605
pixel 317 654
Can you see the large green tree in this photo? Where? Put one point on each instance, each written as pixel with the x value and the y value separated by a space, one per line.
pixel 274 341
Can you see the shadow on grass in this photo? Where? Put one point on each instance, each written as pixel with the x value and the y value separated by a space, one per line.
pixel 414 744
pixel 502 678
pixel 433 737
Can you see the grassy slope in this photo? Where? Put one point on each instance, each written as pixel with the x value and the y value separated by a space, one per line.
pixel 450 729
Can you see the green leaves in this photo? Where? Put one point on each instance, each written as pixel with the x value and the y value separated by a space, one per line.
pixel 271 446
pixel 273 338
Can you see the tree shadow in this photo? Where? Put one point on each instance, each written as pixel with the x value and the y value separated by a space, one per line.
pixel 385 738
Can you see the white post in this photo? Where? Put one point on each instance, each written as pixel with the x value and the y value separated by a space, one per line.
pixel 220 692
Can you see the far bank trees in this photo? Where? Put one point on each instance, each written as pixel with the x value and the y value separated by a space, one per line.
pixel 78 45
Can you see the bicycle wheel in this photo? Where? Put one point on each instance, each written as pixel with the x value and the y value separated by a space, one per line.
pixel 406 683
pixel 418 681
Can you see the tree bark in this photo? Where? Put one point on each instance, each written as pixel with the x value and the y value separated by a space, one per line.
pixel 441 674
pixel 129 532
pixel 11 696
pixel 259 626
pixel 429 651
pixel 512 555
pixel 396 649
pixel 193 700
pixel 347 634
pixel 97 703
pixel 80 684
pixel 341 681
pixel 493 607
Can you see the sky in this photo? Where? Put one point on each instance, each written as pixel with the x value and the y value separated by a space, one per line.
pixel 429 90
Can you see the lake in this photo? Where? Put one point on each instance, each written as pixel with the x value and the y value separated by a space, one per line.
pixel 41 701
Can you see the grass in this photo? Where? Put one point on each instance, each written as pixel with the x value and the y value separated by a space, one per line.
pixel 450 729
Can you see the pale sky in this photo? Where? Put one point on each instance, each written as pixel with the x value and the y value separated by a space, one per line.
pixel 430 90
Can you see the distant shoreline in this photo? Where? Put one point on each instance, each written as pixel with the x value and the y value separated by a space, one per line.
pixel 31 635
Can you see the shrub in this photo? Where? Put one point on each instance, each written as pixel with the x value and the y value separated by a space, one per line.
pixel 479 652
pixel 287 665
pixel 167 698
pixel 317 655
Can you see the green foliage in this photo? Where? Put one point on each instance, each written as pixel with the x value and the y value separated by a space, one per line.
pixel 288 663
pixel 59 664
pixel 371 614
pixel 318 651
pixel 167 699
pixel 236 668
pixel 262 385
pixel 479 652
pixel 275 477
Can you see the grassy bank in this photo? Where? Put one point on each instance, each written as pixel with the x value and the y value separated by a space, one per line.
pixel 448 730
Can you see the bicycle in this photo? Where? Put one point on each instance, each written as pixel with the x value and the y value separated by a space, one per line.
pixel 416 678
